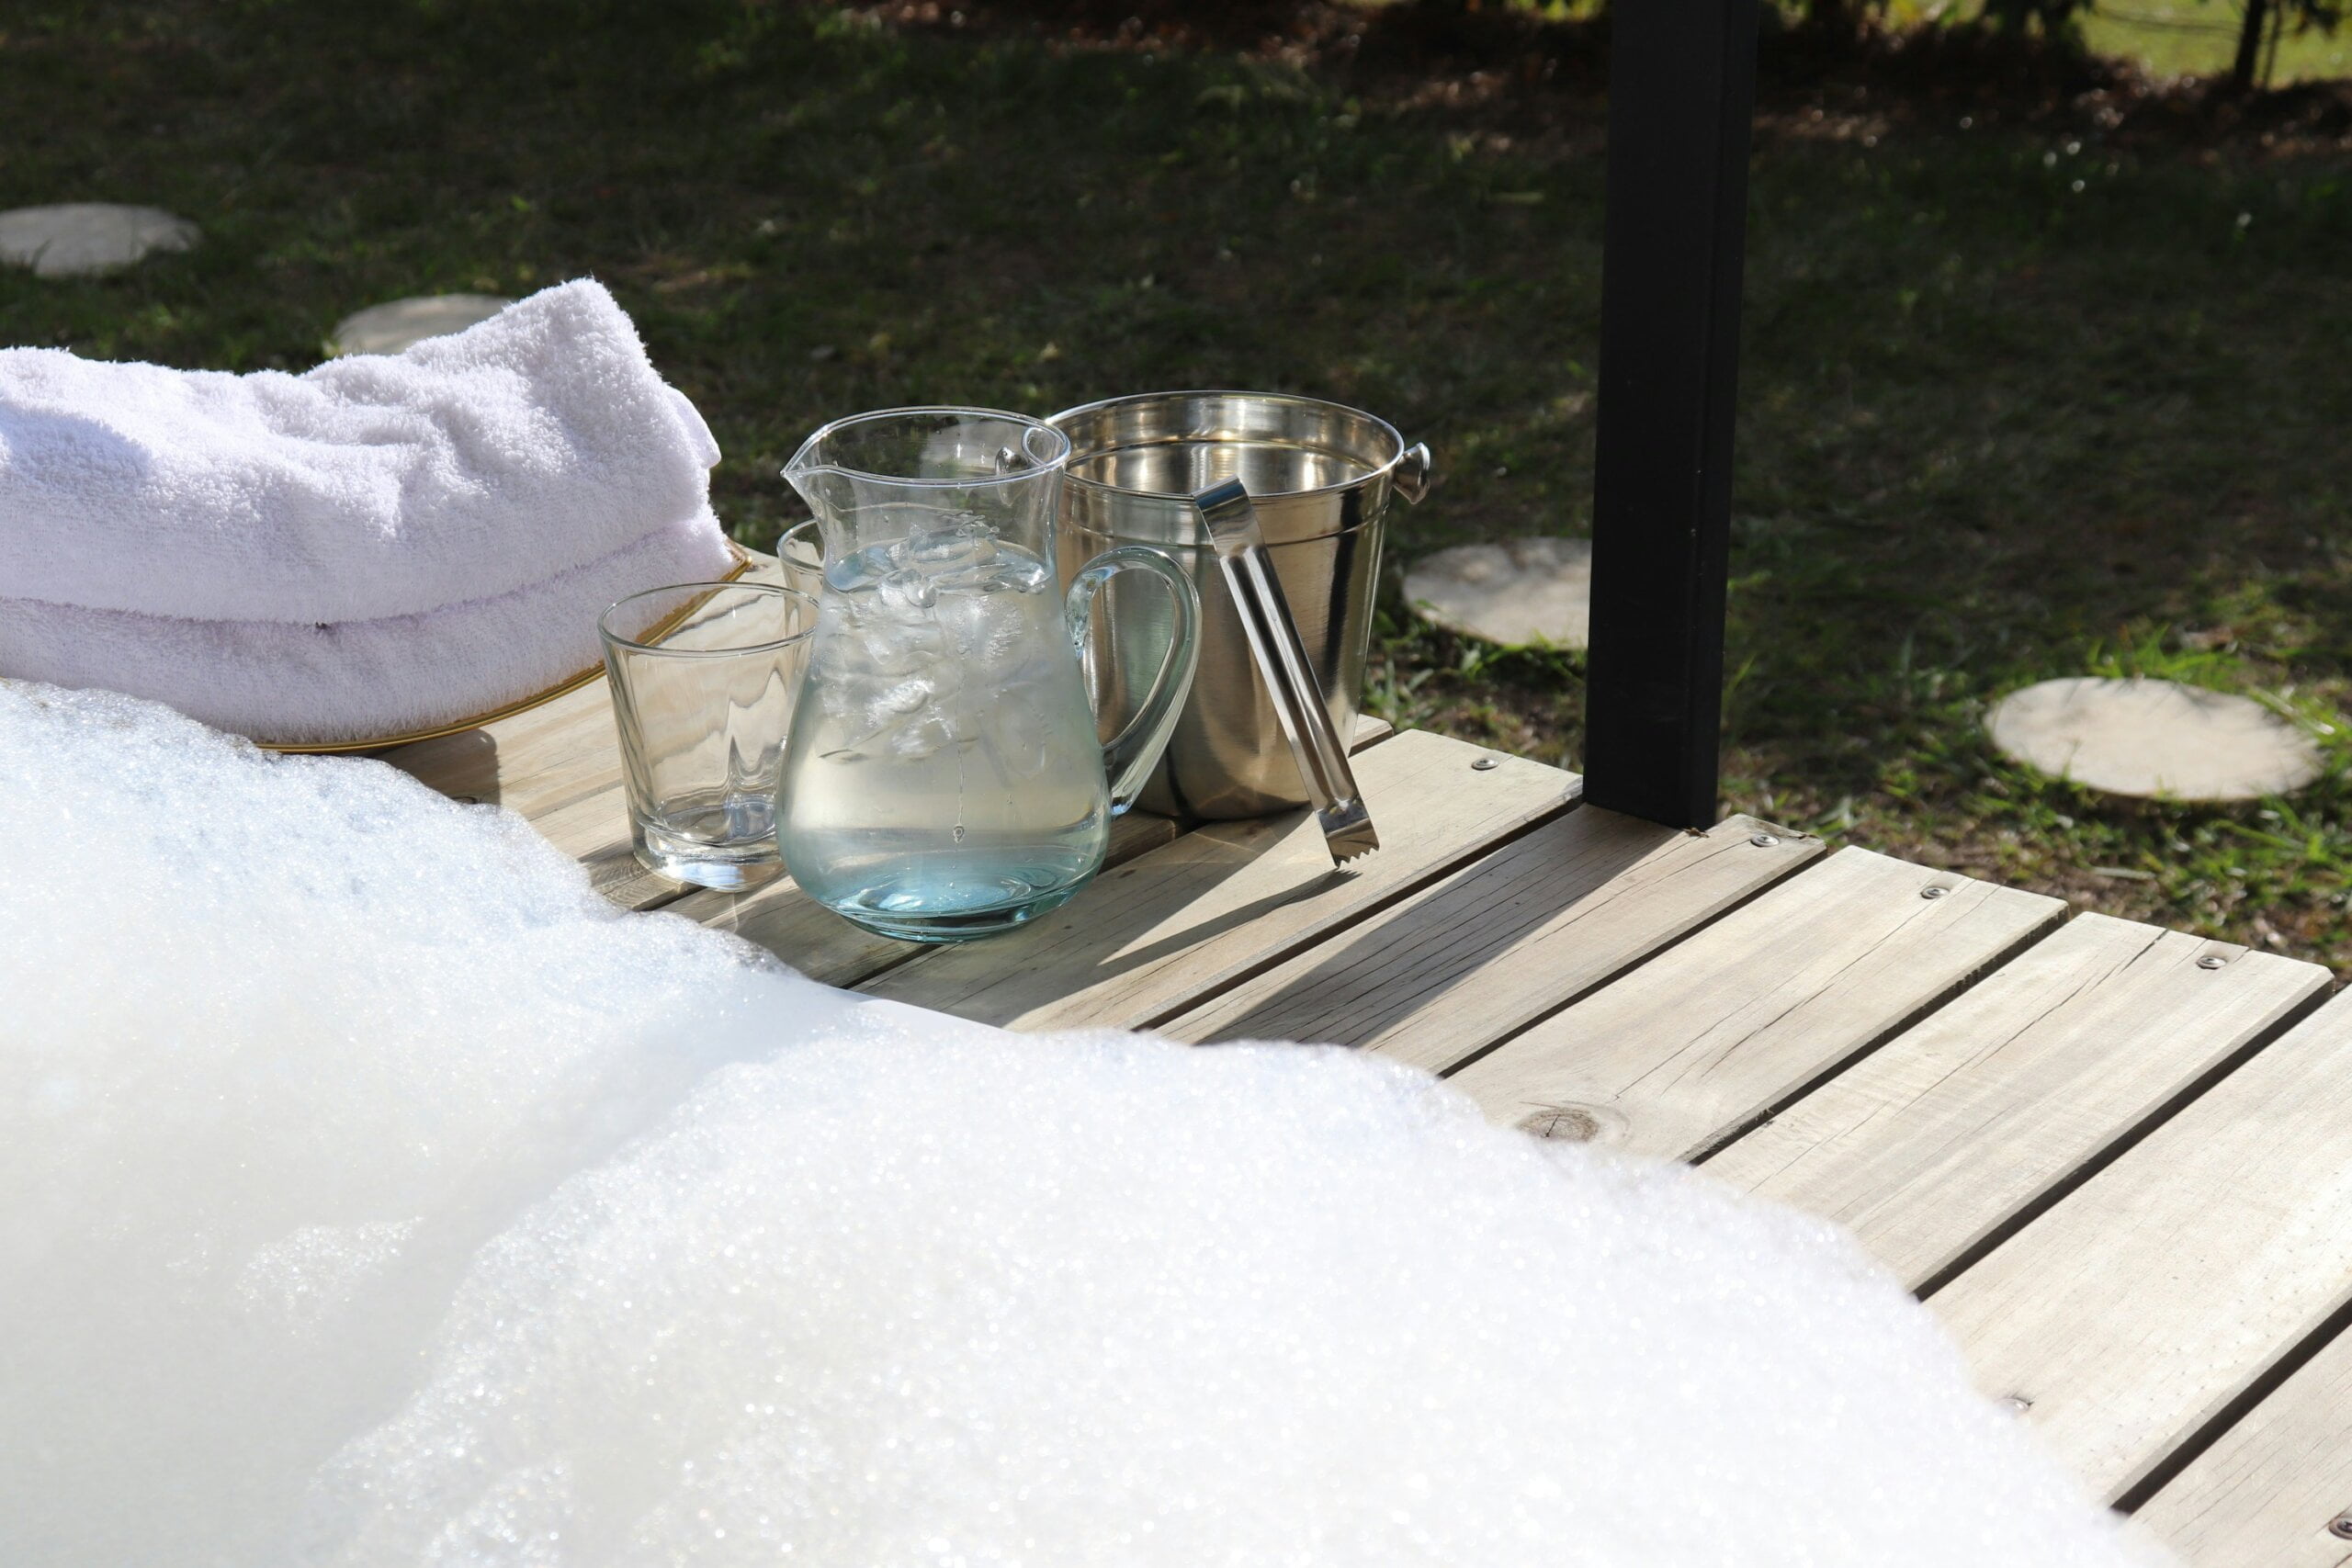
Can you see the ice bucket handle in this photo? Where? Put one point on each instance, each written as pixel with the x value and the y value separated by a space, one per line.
pixel 1414 470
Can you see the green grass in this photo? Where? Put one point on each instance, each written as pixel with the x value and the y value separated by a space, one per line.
pixel 2167 37
pixel 1994 427
pixel 2199 37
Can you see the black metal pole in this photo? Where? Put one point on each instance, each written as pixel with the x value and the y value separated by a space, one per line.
pixel 1681 91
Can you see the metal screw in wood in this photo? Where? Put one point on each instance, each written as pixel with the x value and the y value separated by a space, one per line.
pixel 2340 1527
pixel 2212 961
pixel 1485 764
pixel 1933 892
pixel 1764 840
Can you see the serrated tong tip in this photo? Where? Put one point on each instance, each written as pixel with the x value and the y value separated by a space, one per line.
pixel 1348 831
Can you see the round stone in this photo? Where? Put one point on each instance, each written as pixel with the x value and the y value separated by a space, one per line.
pixel 2153 738
pixel 388 329
pixel 85 237
pixel 1519 593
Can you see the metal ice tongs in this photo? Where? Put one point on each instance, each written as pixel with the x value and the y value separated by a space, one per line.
pixel 1232 523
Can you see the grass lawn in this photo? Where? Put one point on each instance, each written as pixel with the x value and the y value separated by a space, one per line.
pixel 2180 37
pixel 2015 404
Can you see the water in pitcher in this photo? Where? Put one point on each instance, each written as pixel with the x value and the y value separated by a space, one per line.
pixel 942 690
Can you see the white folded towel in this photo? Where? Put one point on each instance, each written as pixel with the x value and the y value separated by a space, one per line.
pixel 379 546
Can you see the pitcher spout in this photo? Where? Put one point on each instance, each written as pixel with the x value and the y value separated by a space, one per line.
pixel 874 479
pixel 830 494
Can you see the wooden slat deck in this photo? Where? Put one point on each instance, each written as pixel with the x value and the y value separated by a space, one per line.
pixel 2114 1160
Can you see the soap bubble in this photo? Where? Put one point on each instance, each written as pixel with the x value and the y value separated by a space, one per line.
pixel 283 1041
pixel 379 1196
pixel 921 1293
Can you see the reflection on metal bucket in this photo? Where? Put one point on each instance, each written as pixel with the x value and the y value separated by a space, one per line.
pixel 1322 476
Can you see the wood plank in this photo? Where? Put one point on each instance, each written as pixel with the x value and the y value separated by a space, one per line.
pixel 1701 1040
pixel 532 762
pixel 594 831
pixel 1506 940
pixel 2268 1492
pixel 1225 901
pixel 1931 1146
pixel 616 871
pixel 558 766
pixel 2134 1312
pixel 798 929
pixel 823 946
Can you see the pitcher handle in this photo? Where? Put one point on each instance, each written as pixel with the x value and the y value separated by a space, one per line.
pixel 1129 756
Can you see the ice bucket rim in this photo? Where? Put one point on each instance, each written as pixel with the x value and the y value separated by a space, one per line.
pixel 1385 468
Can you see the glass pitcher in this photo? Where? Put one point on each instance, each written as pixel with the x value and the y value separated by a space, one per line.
pixel 944 778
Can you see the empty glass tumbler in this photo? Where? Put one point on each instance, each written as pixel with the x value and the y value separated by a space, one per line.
pixel 704 679
pixel 945 778
pixel 800 558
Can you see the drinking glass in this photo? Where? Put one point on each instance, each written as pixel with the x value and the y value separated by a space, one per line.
pixel 704 679
pixel 800 554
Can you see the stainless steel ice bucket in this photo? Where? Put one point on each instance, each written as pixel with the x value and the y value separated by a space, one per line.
pixel 1322 476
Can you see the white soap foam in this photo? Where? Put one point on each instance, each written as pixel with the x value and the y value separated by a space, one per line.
pixel 377 1197
pixel 281 1042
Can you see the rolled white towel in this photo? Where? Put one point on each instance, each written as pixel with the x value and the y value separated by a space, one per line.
pixel 378 485
pixel 346 682
pixel 385 545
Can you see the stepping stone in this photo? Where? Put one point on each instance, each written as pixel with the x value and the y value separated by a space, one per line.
pixel 1515 594
pixel 2149 737
pixel 388 329
pixel 85 237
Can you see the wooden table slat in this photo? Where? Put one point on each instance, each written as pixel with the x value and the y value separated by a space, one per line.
pixel 557 765
pixel 1703 1039
pixel 823 946
pixel 1184 922
pixel 1507 940
pixel 2266 1492
pixel 536 761
pixel 1937 1141
pixel 594 830
pixel 2134 1312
